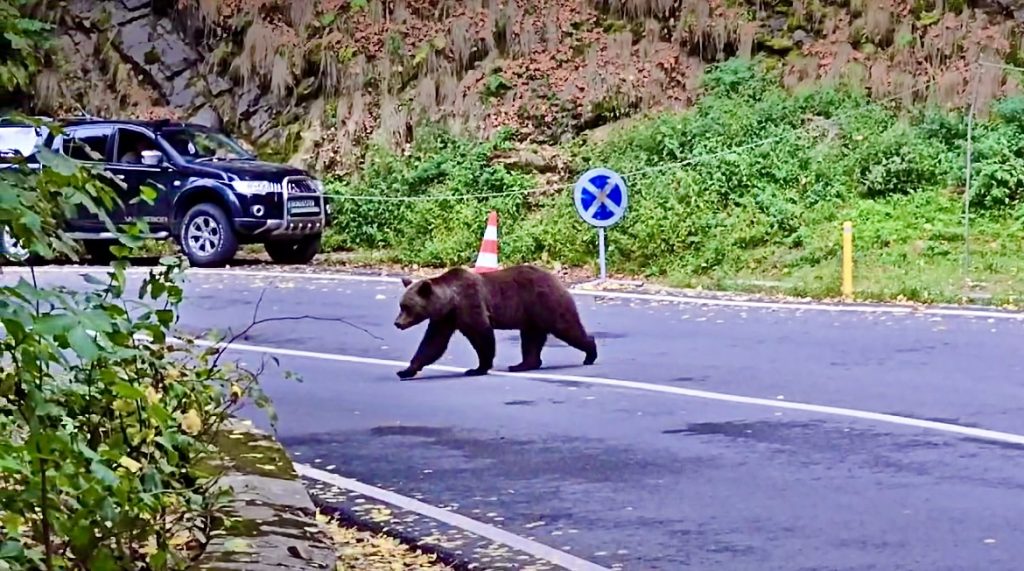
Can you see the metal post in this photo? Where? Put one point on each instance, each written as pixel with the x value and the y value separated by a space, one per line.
pixel 969 168
pixel 848 260
pixel 600 252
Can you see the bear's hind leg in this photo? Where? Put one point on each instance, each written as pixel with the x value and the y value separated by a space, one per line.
pixel 575 336
pixel 533 342
pixel 482 341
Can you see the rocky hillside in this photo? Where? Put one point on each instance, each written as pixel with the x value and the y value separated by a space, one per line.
pixel 314 80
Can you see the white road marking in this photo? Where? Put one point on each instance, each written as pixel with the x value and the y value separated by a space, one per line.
pixel 679 299
pixel 972 432
pixel 523 544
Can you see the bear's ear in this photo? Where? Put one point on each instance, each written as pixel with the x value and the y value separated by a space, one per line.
pixel 406 282
pixel 425 289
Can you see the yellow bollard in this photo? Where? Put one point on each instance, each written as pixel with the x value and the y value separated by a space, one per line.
pixel 847 260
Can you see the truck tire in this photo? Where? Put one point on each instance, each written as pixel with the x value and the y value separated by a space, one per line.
pixel 294 252
pixel 206 237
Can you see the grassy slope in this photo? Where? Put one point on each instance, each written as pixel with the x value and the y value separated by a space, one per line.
pixel 701 215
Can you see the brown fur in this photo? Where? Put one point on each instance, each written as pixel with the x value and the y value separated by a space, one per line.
pixel 522 297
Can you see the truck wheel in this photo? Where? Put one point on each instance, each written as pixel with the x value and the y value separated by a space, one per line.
pixel 295 252
pixel 207 238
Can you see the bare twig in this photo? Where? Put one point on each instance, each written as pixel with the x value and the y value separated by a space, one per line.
pixel 256 320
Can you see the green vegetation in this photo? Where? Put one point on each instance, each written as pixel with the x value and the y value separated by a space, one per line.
pixel 106 424
pixel 23 42
pixel 752 184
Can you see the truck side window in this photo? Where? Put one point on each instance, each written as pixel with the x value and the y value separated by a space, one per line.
pixel 130 145
pixel 88 144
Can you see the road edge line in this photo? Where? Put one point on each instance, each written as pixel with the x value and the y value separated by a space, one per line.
pixel 873 308
pixel 539 550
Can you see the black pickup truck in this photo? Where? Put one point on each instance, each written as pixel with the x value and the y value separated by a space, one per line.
pixel 212 195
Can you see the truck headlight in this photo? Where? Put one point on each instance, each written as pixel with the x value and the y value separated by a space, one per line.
pixel 256 186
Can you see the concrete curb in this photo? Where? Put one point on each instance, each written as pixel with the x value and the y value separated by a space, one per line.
pixel 271 523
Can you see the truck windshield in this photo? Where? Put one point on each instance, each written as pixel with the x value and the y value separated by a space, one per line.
pixel 199 144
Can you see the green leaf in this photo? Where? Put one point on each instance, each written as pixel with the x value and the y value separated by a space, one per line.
pixel 165 317
pixel 10 466
pixel 327 19
pixel 148 193
pixel 106 475
pixel 83 344
pixel 103 560
pixel 55 324
pixel 124 390
pixel 58 162
pixel 17 42
pixel 97 320
pixel 11 550
pixel 91 279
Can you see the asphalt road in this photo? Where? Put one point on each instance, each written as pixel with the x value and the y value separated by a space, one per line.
pixel 647 480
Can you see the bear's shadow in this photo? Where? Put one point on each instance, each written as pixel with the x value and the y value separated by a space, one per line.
pixel 437 377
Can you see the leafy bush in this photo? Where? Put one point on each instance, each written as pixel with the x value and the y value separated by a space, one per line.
pixel 106 422
pixel 23 40
pixel 752 179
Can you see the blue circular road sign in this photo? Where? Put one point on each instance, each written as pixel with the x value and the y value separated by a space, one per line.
pixel 600 197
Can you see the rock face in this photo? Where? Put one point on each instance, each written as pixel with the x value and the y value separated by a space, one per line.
pixel 154 50
pixel 267 73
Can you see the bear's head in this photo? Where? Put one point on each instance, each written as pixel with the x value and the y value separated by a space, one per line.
pixel 420 302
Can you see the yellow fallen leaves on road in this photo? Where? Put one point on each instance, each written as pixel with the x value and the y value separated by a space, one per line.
pixel 365 551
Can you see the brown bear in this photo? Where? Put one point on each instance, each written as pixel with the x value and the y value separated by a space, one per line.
pixel 521 297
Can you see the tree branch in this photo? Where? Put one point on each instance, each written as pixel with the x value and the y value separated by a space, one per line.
pixel 256 320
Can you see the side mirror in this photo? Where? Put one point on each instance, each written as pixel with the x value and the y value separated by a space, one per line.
pixel 152 158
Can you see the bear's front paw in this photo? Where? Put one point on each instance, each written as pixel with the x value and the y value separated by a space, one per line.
pixel 478 372
pixel 407 373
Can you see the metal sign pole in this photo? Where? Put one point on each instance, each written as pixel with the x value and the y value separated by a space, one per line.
pixel 601 199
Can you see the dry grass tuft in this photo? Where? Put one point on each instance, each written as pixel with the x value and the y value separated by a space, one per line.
pixel 510 17
pixel 748 33
pixel 329 72
pixel 281 78
pixel 376 10
pixel 258 60
pixel 48 90
pixel 461 40
pixel 951 87
pixel 302 13
pixel 878 21
pixel 878 79
pixel 447 89
pixel 527 39
pixel 552 31
pixel 425 98
pixel 399 12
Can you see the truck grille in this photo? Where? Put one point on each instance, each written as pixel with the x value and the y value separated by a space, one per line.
pixel 301 186
pixel 304 207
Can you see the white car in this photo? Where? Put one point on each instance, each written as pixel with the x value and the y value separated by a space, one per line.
pixel 17 140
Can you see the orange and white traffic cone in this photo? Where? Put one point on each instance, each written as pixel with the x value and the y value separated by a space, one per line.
pixel 487 259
